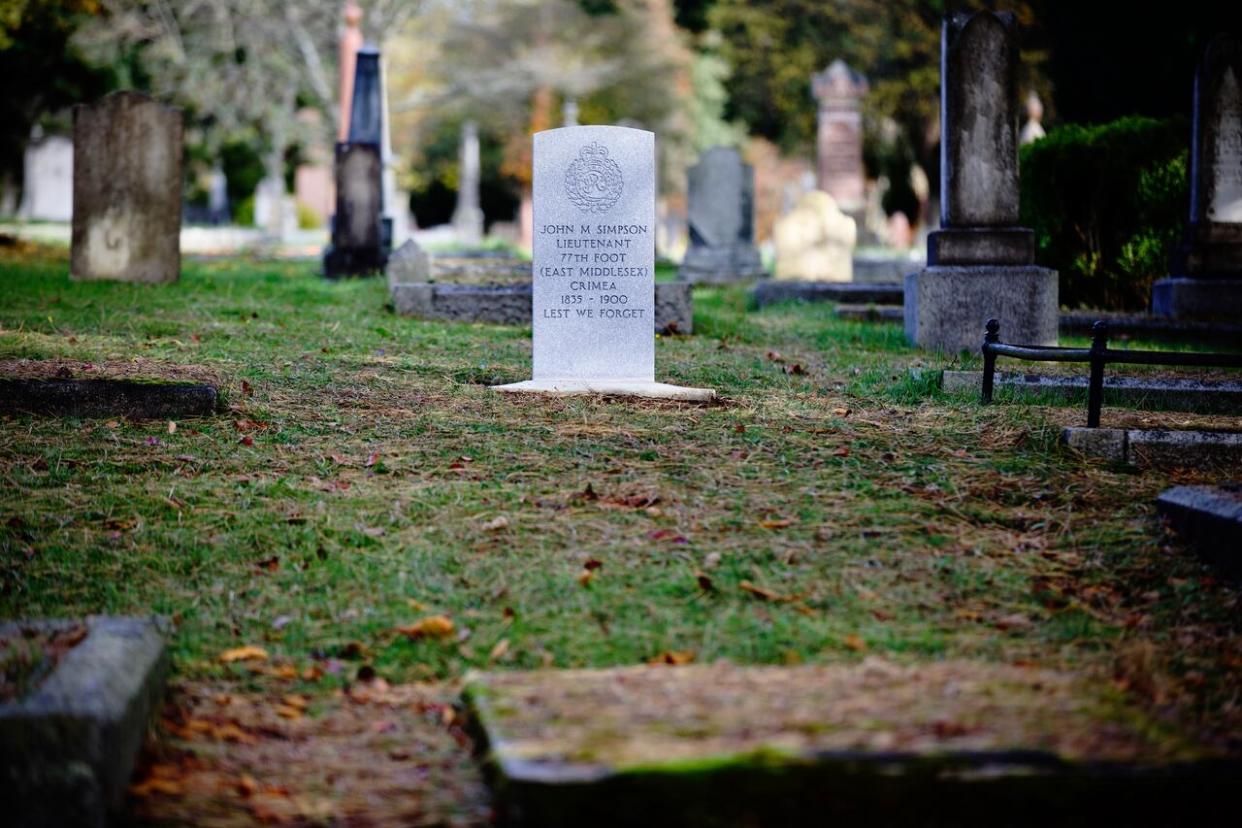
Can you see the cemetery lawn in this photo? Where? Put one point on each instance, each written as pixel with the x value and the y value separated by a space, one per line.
pixel 365 503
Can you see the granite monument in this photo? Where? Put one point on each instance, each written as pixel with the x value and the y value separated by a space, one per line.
pixel 838 91
pixel 126 190
pixel 1206 274
pixel 980 264
pixel 722 220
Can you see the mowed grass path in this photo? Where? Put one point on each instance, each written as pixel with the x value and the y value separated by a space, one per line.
pixel 830 508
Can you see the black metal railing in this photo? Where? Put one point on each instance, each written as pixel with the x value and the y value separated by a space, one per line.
pixel 1098 355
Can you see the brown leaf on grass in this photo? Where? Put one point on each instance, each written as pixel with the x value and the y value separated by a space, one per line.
pixel 433 626
pixel 585 577
pixel 247 389
pixel 775 356
pixel 705 583
pixel 592 563
pixel 673 658
pixel 841 451
pixel 841 412
pixel 286 711
pixel 796 368
pixel 295 700
pixel 372 459
pixel 1017 621
pixel 499 651
pixel 247 440
pixel 759 592
pixel 172 427
pixel 855 643
pixel 247 653
pixel 268 564
pixel 776 523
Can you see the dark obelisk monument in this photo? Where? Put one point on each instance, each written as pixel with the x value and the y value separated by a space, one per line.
pixel 361 237
pixel 1205 280
pixel 980 264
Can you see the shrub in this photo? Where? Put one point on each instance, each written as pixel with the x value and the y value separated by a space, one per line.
pixel 1108 204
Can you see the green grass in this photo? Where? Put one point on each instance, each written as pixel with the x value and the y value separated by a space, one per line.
pixel 886 517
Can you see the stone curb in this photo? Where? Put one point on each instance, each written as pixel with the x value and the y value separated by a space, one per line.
pixel 1210 518
pixel 68 748
pixel 510 304
pixel 1156 447
pixel 775 290
pixel 95 398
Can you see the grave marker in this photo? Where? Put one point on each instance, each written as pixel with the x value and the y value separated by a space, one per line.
pixel 594 265
pixel 980 263
pixel 1206 278
pixel 126 190
pixel 722 220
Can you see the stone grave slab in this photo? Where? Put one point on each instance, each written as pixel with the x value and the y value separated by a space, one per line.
pixel 92 398
pixel 496 290
pixel 776 290
pixel 126 190
pixel 1176 394
pixel 721 216
pixel 950 742
pixel 1184 448
pixel 67 747
pixel 1210 518
pixel 593 301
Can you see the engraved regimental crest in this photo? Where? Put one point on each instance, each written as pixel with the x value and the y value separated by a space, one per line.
pixel 593 181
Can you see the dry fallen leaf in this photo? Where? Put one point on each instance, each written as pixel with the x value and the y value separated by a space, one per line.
pixel 585 577
pixel 285 711
pixel 433 626
pixel 498 652
pixel 855 643
pixel 247 653
pixel 776 523
pixel 172 427
pixel 673 657
pixel 841 412
pixel 759 592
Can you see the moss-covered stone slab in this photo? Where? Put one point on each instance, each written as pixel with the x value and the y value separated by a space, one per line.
pixel 88 398
pixel 68 745
pixel 943 743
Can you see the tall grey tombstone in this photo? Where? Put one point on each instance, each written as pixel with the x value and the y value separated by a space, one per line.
pixel 361 236
pixel 1206 277
pixel 722 220
pixel 594 265
pixel 126 190
pixel 468 216
pixel 838 91
pixel 980 264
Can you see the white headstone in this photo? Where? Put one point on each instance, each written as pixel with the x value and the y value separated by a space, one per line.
pixel 594 265
pixel 47 191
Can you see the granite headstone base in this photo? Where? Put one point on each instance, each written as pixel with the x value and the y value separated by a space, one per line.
pixel 705 265
pixel 946 307
pixel 981 245
pixel 1183 297
pixel 68 747
pixel 609 388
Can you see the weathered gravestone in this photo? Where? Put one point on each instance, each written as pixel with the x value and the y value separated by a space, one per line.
pixel 361 236
pixel 47 182
pixel 468 215
pixel 722 220
pixel 126 190
pixel 839 91
pixel 1206 278
pixel 815 241
pixel 981 263
pixel 594 265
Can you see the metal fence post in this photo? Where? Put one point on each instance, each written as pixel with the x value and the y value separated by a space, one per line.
pixel 1095 391
pixel 991 337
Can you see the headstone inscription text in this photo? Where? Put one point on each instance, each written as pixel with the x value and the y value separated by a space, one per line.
pixel 594 254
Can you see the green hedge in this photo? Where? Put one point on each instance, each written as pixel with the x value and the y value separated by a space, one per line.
pixel 1108 204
